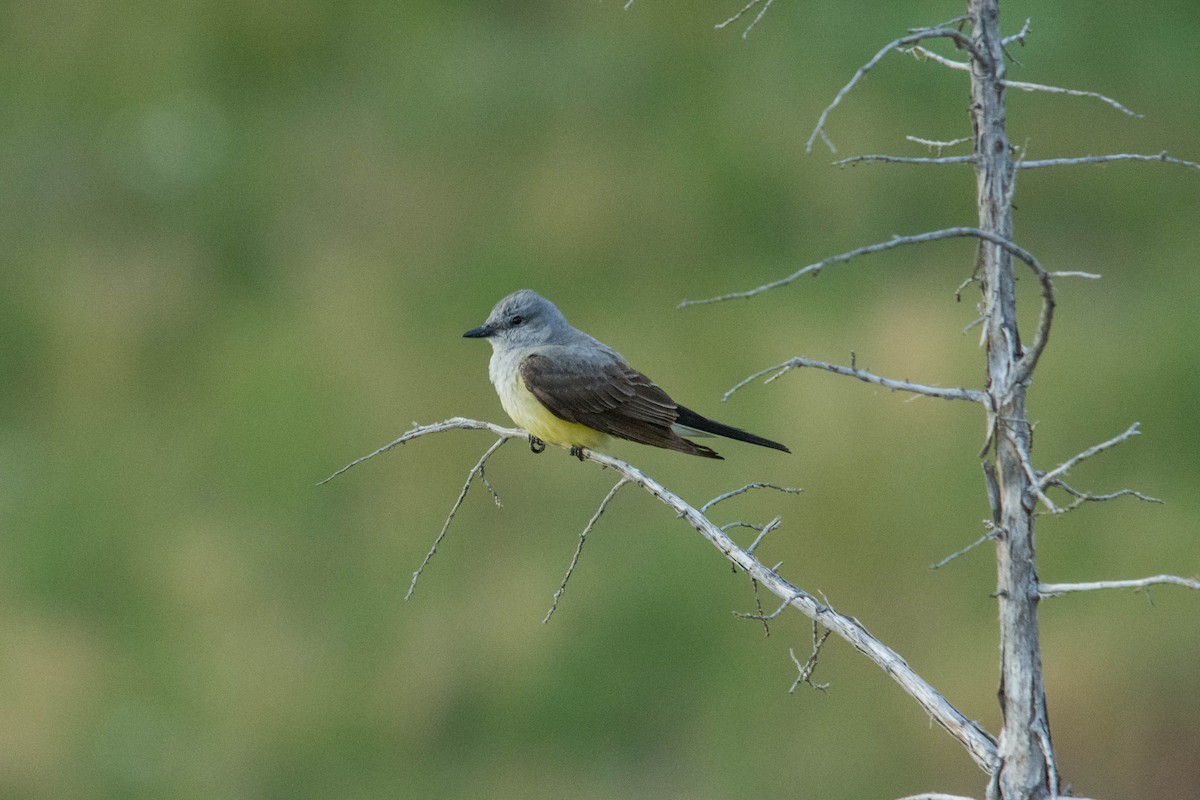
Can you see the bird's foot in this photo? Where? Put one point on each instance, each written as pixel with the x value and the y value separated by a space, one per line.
pixel 577 452
pixel 536 445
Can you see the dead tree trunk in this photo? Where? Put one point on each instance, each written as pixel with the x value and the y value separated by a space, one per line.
pixel 1026 770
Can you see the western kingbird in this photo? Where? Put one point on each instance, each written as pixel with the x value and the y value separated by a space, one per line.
pixel 569 389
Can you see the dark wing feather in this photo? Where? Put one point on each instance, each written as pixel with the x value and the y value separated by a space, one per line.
pixel 606 394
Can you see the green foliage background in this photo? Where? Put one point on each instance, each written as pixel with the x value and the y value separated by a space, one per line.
pixel 241 242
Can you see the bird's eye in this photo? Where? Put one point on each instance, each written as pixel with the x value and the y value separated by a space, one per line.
pixel 516 320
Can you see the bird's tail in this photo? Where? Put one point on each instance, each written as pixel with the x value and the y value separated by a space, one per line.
pixel 691 420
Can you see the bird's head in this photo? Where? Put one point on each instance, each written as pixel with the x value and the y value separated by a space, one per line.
pixel 523 319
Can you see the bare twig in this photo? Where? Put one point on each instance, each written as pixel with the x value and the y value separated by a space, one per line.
pixel 1063 162
pixel 914 37
pixel 974 395
pixel 934 144
pixel 1065 467
pixel 1018 37
pixel 977 742
pixel 760 615
pixel 762 534
pixel 476 470
pixel 579 547
pixel 925 54
pixel 806 669
pixel 1084 497
pixel 418 431
pixel 747 488
pixel 905 160
pixel 1075 274
pixel 1056 589
pixel 895 241
pixel 1039 87
pixel 991 534
pixel 765 5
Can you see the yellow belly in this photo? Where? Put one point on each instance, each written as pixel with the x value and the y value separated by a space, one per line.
pixel 528 412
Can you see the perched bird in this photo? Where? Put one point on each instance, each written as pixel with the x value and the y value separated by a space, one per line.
pixel 569 389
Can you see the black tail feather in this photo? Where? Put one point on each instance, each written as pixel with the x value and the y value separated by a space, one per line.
pixel 691 419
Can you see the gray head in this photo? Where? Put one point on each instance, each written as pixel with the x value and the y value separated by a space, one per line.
pixel 523 319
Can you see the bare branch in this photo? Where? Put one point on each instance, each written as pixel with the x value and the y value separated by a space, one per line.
pixel 974 395
pixel 934 144
pixel 895 241
pixel 977 742
pixel 765 5
pixel 1063 162
pixel 806 669
pixel 476 470
pixel 1039 87
pixel 762 534
pixel 747 488
pixel 991 534
pixel 925 54
pixel 579 547
pixel 1057 589
pixel 418 431
pixel 760 616
pixel 1018 37
pixel 1084 497
pixel 1066 466
pixel 915 36
pixel 905 160
pixel 1075 274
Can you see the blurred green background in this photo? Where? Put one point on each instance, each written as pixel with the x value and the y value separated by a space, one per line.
pixel 241 243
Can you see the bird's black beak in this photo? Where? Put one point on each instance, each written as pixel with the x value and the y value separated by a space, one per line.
pixel 482 332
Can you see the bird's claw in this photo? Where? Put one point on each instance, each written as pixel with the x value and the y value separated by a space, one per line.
pixel 536 445
pixel 577 452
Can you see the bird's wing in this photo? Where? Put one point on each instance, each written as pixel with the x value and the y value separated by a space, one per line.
pixel 606 394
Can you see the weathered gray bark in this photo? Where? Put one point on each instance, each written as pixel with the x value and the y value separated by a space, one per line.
pixel 1026 770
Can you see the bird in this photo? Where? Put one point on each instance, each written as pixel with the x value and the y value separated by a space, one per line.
pixel 568 389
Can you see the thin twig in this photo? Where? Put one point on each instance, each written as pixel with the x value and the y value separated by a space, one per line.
pixel 915 36
pixel 747 488
pixel 905 160
pixel 974 395
pixel 1040 87
pixel 1065 467
pixel 991 534
pixel 1075 274
pixel 758 605
pixel 1063 162
pixel 418 431
pixel 1018 37
pixel 765 617
pixel 1084 497
pixel 806 669
pixel 762 534
pixel 934 144
pixel 878 247
pixel 477 469
pixel 740 14
pixel 925 54
pixel 562 587
pixel 1056 589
